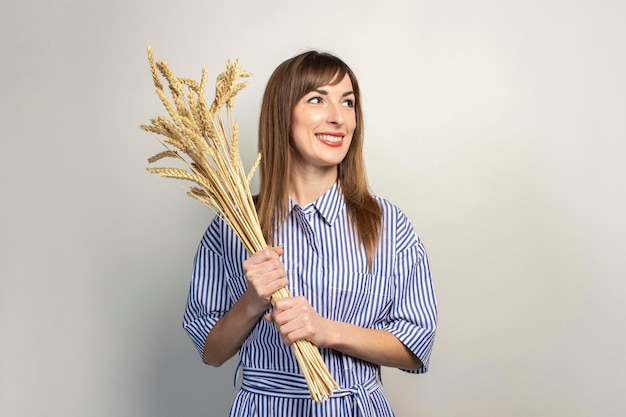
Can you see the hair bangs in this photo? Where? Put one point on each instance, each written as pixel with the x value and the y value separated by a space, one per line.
pixel 320 69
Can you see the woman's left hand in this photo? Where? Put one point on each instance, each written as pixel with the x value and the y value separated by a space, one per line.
pixel 296 319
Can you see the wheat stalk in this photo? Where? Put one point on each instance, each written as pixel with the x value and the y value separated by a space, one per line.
pixel 197 135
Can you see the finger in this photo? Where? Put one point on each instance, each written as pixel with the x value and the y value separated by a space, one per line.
pixel 278 250
pixel 277 284
pixel 299 302
pixel 264 277
pixel 291 318
pixel 265 267
pixel 259 258
pixel 296 330
pixel 294 336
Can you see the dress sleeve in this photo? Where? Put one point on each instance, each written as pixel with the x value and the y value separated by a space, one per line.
pixel 208 298
pixel 413 315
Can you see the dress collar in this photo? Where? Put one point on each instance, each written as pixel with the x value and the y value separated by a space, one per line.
pixel 328 205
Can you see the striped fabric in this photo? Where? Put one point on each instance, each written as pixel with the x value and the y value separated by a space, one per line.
pixel 325 264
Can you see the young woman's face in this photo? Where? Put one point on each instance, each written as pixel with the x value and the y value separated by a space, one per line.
pixel 322 125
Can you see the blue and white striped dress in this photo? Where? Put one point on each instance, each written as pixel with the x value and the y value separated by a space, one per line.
pixel 326 264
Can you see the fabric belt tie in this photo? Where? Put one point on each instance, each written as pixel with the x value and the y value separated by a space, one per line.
pixel 285 384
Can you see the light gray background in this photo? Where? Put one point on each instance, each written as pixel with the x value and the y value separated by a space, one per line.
pixel 497 126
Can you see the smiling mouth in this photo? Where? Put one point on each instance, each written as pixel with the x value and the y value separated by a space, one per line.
pixel 330 140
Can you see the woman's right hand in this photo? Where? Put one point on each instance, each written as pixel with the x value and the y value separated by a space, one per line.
pixel 265 274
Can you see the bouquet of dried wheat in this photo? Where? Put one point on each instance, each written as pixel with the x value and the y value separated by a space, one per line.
pixel 196 135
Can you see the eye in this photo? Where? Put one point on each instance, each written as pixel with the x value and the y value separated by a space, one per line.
pixel 348 103
pixel 315 100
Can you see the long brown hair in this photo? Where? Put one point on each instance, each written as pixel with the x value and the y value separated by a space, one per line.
pixel 289 82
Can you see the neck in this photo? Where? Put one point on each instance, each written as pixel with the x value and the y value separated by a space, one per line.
pixel 307 186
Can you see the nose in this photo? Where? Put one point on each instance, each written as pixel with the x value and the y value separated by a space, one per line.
pixel 335 114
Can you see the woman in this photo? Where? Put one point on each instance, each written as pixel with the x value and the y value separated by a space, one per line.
pixel 359 275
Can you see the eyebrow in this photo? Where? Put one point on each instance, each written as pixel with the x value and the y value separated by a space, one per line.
pixel 325 92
